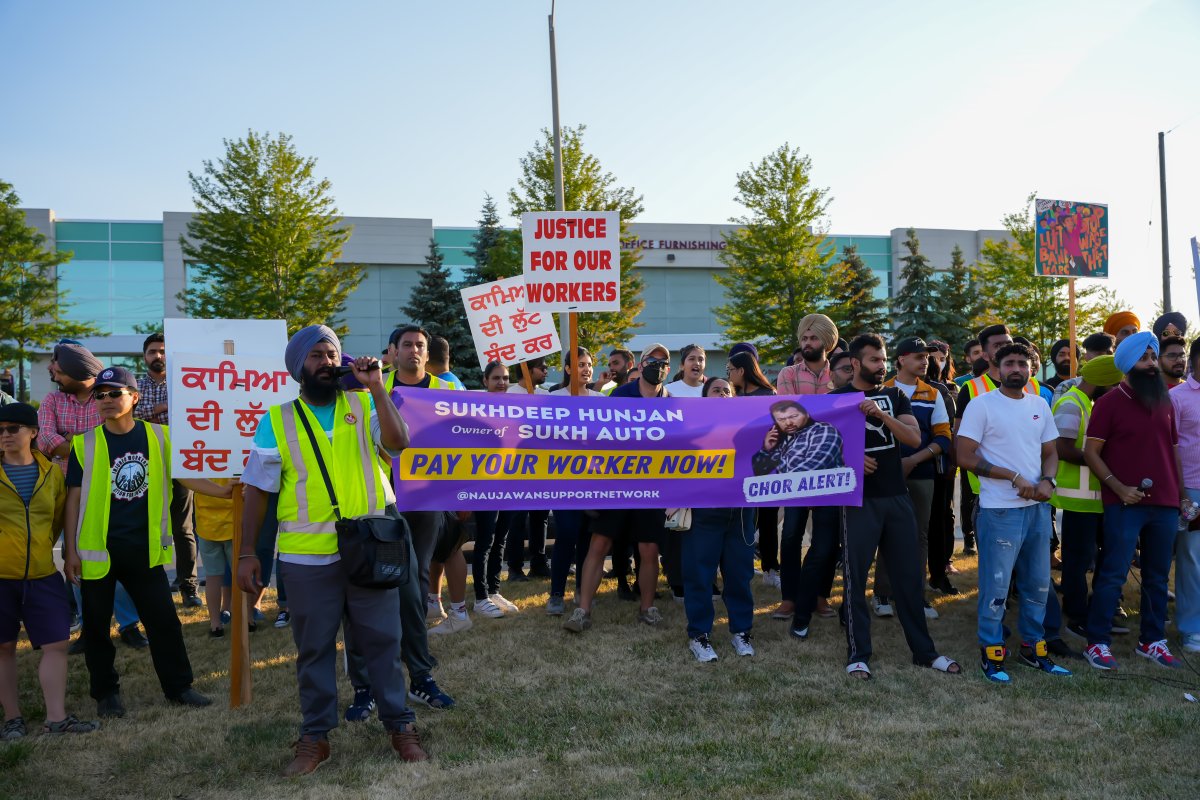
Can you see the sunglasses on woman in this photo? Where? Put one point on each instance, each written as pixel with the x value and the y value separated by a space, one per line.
pixel 111 395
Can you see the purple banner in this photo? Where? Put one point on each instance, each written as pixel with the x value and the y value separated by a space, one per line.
pixel 484 451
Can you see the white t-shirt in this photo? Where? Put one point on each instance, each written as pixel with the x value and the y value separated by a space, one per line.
pixel 566 390
pixel 1010 435
pixel 940 414
pixel 681 389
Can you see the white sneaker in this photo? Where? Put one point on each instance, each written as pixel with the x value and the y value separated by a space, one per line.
pixel 452 624
pixel 883 608
pixel 930 612
pixel 702 648
pixel 507 605
pixel 488 608
pixel 742 644
pixel 771 578
pixel 1191 642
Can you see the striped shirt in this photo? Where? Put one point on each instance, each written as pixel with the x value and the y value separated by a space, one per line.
pixel 150 394
pixel 61 416
pixel 799 379
pixel 24 478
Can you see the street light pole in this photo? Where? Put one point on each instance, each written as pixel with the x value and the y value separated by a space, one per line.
pixel 566 322
pixel 1162 193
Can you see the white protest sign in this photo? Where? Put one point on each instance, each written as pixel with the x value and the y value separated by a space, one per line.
pixel 216 403
pixel 503 330
pixel 223 374
pixel 572 260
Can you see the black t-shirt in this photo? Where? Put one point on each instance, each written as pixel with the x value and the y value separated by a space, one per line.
pixel 422 384
pixel 130 481
pixel 634 389
pixel 881 443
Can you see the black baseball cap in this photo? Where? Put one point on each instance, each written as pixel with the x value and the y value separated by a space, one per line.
pixel 913 344
pixel 116 376
pixel 20 413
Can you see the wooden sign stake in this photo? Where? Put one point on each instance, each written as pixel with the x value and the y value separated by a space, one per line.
pixel 526 378
pixel 572 348
pixel 240 681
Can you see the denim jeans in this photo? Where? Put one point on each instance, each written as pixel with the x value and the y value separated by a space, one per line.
pixel 1013 543
pixel 571 542
pixel 1187 578
pixel 719 537
pixel 491 531
pixel 1123 525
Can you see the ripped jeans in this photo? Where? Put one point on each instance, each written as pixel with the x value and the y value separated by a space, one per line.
pixel 1013 542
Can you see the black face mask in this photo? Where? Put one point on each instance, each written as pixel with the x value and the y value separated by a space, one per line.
pixel 653 374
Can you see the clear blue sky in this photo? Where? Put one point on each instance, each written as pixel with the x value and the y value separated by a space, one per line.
pixel 933 114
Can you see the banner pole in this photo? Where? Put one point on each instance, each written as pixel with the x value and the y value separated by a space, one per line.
pixel 239 651
pixel 526 378
pixel 1071 324
pixel 572 347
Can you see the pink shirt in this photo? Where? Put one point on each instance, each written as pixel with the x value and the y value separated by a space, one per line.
pixel 799 379
pixel 1186 399
pixel 60 416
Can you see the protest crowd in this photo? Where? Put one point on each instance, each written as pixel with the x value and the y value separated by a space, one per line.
pixel 1085 475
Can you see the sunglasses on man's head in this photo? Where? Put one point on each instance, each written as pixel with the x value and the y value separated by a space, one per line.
pixel 111 395
pixel 11 430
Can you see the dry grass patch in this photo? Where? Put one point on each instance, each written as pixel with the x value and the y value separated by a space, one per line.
pixel 625 711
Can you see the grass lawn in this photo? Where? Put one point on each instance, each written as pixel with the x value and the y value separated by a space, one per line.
pixel 625 711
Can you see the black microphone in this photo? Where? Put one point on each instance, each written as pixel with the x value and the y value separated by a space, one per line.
pixel 347 369
pixel 1145 486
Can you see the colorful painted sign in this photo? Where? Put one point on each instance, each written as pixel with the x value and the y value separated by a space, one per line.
pixel 1072 239
pixel 572 260
pixel 482 451
pixel 503 329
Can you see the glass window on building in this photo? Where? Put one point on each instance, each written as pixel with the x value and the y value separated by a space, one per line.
pixel 115 279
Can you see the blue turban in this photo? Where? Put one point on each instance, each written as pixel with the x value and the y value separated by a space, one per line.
pixel 302 343
pixel 1130 351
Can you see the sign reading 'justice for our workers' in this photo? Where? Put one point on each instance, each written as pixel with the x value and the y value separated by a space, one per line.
pixel 572 260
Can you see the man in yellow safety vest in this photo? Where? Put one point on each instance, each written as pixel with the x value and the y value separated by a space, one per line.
pixel 351 430
pixel 118 528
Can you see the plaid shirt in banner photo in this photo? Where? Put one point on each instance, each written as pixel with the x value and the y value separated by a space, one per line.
pixel 150 394
pixel 818 445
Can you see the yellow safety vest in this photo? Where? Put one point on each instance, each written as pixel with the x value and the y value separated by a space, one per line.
pixel 95 502
pixel 306 515
pixel 982 385
pixel 434 382
pixel 1078 487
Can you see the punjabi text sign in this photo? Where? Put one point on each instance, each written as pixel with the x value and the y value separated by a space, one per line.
pixel 216 403
pixel 572 260
pixel 482 451
pixel 503 329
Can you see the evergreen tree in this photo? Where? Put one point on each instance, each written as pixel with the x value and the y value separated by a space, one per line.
pixel 960 303
pixel 586 187
pixel 776 260
pixel 31 314
pixel 266 238
pixel 915 307
pixel 436 305
pixel 485 240
pixel 855 307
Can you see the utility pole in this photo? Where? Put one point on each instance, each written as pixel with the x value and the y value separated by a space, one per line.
pixel 1162 193
pixel 567 323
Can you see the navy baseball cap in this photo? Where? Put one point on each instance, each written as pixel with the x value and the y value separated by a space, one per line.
pixel 116 376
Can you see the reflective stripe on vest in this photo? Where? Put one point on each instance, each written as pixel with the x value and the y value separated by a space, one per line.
pixel 434 383
pixel 307 521
pixel 982 385
pixel 91 529
pixel 1075 490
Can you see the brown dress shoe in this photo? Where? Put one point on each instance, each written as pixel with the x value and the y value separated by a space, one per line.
pixel 408 744
pixel 309 755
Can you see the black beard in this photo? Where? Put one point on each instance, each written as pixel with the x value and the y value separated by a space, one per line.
pixel 1148 387
pixel 1014 381
pixel 620 377
pixel 1063 369
pixel 320 391
pixel 812 354
pixel 874 378
pixel 157 366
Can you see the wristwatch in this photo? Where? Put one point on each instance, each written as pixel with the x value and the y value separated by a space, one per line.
pixel 1053 485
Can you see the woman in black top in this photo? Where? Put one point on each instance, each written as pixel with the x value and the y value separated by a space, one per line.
pixel 747 378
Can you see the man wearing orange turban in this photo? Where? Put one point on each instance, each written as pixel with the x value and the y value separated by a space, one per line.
pixel 1122 324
